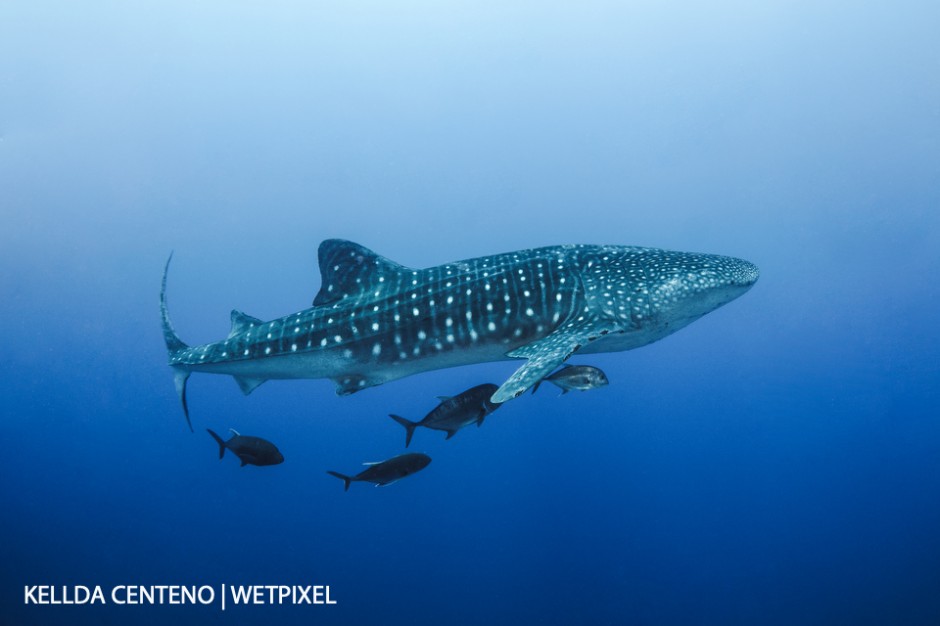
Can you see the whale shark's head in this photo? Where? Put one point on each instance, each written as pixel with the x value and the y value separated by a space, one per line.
pixel 656 292
pixel 687 286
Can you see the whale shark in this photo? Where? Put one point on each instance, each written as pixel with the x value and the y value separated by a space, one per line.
pixel 375 320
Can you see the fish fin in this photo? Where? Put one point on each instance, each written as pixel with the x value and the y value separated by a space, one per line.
pixel 179 379
pixel 247 385
pixel 370 463
pixel 530 373
pixel 219 440
pixel 351 384
pixel 346 479
pixel 244 463
pixel 444 398
pixel 242 322
pixel 391 482
pixel 450 433
pixel 564 391
pixel 548 353
pixel 234 432
pixel 349 270
pixel 535 387
pixel 481 418
pixel 409 427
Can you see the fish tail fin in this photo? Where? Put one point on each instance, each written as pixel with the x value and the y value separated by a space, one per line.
pixel 346 479
pixel 219 440
pixel 409 427
pixel 174 345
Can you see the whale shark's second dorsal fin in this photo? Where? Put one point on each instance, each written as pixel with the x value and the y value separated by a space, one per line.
pixel 242 322
pixel 348 270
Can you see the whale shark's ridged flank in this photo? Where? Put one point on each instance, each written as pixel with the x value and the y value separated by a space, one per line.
pixel 374 320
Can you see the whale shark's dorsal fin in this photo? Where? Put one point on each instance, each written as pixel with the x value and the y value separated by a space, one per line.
pixel 242 322
pixel 348 270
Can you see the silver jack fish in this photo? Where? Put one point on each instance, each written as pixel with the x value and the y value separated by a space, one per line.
pixel 250 450
pixel 387 472
pixel 375 320
pixel 453 413
pixel 577 377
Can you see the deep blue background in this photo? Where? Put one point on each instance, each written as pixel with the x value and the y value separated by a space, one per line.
pixel 775 462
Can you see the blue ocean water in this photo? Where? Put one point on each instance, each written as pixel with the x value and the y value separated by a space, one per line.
pixel 775 462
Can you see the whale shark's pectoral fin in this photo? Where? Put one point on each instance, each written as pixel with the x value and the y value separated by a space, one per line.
pixel 548 353
pixel 536 368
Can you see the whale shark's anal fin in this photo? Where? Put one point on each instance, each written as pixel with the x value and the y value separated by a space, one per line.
pixel 548 353
pixel 247 385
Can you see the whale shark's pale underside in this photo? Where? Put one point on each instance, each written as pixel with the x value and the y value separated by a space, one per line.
pixel 374 320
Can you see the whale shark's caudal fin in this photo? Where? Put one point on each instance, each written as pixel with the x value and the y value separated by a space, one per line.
pixel 173 346
pixel 179 379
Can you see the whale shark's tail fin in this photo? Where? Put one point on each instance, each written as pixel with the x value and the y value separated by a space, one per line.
pixel 173 346
pixel 409 427
pixel 346 479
